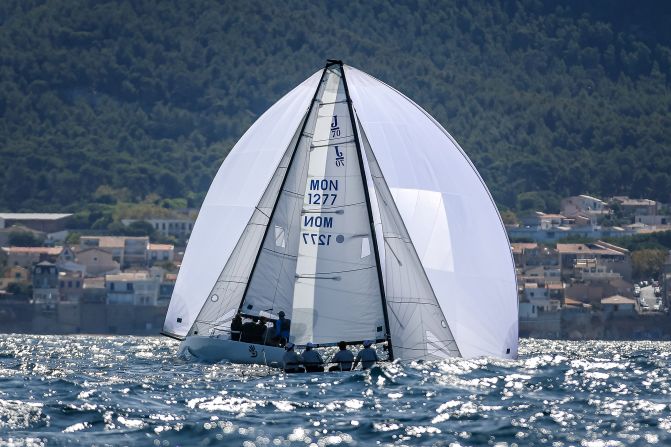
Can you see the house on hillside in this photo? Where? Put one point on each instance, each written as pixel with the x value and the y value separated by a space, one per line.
pixel 160 253
pixel 615 259
pixel 14 275
pixel 137 288
pixel 583 205
pixel 177 227
pixel 46 292
pixel 617 305
pixel 27 256
pixel 126 250
pixel 44 222
pixel 70 285
pixel 637 207
pixel 98 261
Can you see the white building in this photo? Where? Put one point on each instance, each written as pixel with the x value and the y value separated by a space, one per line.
pixel 138 288
pixel 125 250
pixel 583 204
pixel 181 227
pixel 160 253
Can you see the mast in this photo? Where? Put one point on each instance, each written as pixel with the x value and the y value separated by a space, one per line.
pixel 368 206
pixel 284 180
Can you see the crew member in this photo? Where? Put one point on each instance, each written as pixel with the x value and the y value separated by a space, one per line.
pixel 252 331
pixel 282 329
pixel 367 356
pixel 343 359
pixel 236 327
pixel 312 359
pixel 292 361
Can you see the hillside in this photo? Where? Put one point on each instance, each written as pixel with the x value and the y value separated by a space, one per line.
pixel 106 101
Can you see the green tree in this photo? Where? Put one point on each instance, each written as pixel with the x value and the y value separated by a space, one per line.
pixel 648 263
pixel 23 239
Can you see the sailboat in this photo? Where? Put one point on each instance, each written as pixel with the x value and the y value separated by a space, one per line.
pixel 350 209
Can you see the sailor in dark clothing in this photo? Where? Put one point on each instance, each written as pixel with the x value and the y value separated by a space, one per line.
pixel 236 327
pixel 343 359
pixel 282 329
pixel 252 331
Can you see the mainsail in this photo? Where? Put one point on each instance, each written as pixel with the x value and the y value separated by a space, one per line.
pixel 317 260
pixel 350 209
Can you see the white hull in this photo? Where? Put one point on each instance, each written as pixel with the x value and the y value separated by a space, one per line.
pixel 212 349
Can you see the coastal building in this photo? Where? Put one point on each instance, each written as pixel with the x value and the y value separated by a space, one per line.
pixel 93 290
pixel 555 234
pixel 617 305
pixel 138 288
pixel 46 292
pixel 616 259
pixel 70 284
pixel 28 256
pixel 14 275
pixel 177 227
pixel 636 207
pixel 126 250
pixel 44 222
pixel 98 261
pixel 590 269
pixel 583 205
pixel 160 253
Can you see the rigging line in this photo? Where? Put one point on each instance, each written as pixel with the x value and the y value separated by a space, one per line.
pixel 392 250
pixel 339 206
pixel 448 341
pixel 259 210
pixel 285 255
pixel 416 303
pixel 316 146
pixel 398 237
pixel 292 193
pixel 334 102
pixel 230 281
pixel 341 271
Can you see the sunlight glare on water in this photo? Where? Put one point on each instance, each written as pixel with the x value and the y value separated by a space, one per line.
pixel 98 390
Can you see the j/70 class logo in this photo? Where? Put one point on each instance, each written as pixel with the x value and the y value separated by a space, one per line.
pixel 252 351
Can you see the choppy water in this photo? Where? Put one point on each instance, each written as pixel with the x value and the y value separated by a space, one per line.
pixel 90 390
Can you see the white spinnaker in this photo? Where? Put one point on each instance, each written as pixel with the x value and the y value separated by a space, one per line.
pixel 449 214
pixel 337 294
pixel 230 203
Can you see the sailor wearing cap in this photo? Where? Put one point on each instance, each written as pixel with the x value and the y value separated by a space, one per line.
pixel 292 360
pixel 367 356
pixel 312 360
pixel 282 329
pixel 343 358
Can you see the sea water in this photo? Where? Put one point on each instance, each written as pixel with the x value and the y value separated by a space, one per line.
pixel 121 390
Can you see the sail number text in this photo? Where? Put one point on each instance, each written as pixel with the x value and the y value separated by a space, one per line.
pixel 321 198
pixel 316 239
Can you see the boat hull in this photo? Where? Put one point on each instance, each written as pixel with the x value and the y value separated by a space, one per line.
pixel 212 349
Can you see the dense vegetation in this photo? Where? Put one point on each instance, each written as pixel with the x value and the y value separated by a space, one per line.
pixel 117 101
